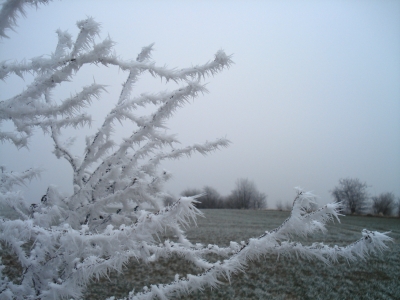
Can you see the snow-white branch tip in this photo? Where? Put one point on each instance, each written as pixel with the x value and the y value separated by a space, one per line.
pixel 9 13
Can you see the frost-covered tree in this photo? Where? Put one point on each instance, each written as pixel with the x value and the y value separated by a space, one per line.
pixel 247 196
pixel 62 242
pixel 384 204
pixel 244 193
pixel 353 194
pixel 210 199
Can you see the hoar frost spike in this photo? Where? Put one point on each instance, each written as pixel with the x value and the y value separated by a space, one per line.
pixel 62 242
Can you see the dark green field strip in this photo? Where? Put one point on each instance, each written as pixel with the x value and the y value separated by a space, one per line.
pixel 270 278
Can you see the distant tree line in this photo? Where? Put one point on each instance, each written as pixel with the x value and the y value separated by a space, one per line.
pixel 351 192
pixel 355 199
pixel 245 195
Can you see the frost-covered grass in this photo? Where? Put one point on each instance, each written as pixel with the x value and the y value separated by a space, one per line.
pixel 270 277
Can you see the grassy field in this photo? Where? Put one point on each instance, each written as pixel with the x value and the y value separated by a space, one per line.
pixel 269 278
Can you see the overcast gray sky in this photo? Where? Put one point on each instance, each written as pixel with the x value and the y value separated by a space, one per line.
pixel 314 95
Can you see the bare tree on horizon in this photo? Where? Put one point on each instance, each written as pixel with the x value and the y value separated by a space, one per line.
pixel 352 194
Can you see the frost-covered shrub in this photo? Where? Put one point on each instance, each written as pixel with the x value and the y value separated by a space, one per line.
pixel 384 204
pixel 63 242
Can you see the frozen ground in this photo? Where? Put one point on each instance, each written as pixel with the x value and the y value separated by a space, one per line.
pixel 269 278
